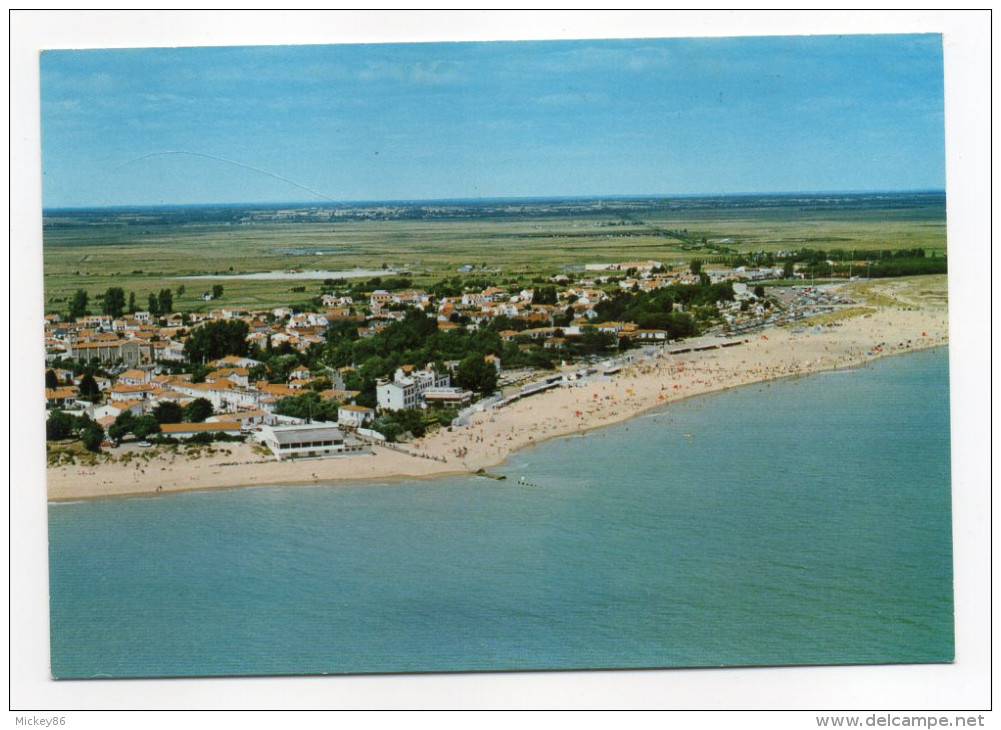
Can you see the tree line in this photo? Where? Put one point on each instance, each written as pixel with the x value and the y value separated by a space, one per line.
pixel 114 303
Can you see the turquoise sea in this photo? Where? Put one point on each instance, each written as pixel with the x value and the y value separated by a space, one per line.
pixel 805 521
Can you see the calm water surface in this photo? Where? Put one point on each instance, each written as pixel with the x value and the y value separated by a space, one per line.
pixel 803 521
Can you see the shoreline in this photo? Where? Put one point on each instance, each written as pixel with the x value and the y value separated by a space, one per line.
pixel 650 381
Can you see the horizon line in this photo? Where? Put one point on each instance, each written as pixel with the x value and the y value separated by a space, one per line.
pixel 423 201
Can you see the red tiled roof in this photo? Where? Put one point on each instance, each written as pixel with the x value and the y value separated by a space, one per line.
pixel 169 428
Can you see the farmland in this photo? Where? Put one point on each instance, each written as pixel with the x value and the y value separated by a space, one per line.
pixel 511 242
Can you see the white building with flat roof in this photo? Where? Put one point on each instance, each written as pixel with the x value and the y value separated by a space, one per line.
pixel 407 390
pixel 309 440
pixel 396 395
pixel 448 396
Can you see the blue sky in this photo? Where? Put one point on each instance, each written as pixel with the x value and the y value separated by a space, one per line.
pixel 497 119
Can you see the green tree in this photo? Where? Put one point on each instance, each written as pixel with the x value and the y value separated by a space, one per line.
pixel 593 342
pixel 695 266
pixel 78 305
pixel 393 424
pixel 259 372
pixel 217 291
pixel 544 295
pixel 168 411
pixel 759 291
pixel 788 269
pixel 114 301
pixel 321 383
pixel 122 426
pixel 58 426
pixel 132 302
pixel 217 339
pixel 339 353
pixel 152 305
pixel 144 426
pixel 476 374
pixel 309 406
pixel 92 436
pixel 198 373
pixel 198 410
pixel 165 301
pixel 89 388
pixel 51 381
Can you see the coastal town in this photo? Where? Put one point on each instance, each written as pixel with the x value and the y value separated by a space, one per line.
pixel 288 384
pixel 379 361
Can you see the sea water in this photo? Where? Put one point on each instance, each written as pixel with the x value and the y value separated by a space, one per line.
pixel 801 521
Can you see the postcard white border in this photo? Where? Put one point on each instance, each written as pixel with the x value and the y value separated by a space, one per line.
pixel 963 685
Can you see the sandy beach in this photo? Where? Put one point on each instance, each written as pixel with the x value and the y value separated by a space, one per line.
pixel 903 321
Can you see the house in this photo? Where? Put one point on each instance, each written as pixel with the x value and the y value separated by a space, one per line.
pixel 222 393
pixel 536 333
pixel 333 300
pixel 123 392
pixel 134 377
pixel 473 299
pixel 612 328
pixel 639 265
pixel 278 390
pixel 237 376
pixel 339 394
pixel 99 321
pixel 170 350
pixel 64 376
pixel 309 440
pixel 136 407
pixel 187 430
pixel 235 361
pixel 60 397
pixel 494 294
pixel 352 416
pixel 99 412
pixel 381 298
pixel 247 419
pixel 54 348
pixel 300 373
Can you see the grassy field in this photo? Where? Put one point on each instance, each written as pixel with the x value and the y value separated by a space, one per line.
pixel 146 258
pixel 915 291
